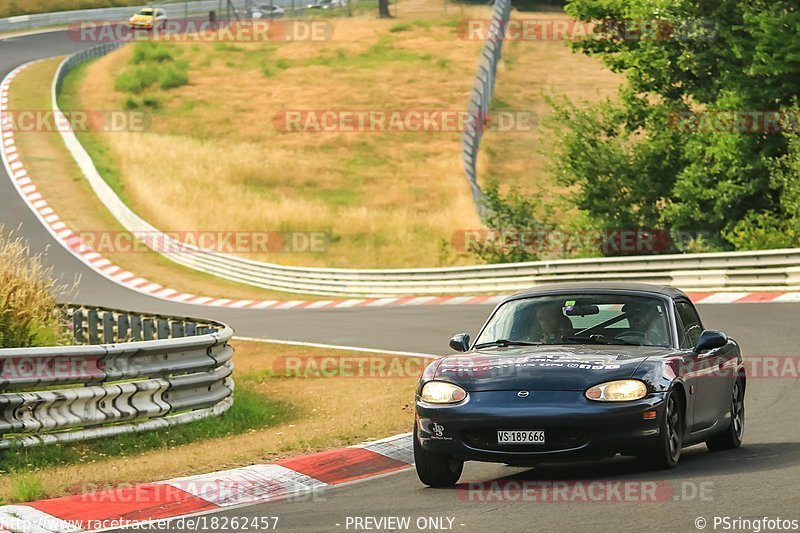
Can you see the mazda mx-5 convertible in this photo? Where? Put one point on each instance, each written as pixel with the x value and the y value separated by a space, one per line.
pixel 580 371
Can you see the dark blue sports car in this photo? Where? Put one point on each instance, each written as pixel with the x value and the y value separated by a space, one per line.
pixel 580 371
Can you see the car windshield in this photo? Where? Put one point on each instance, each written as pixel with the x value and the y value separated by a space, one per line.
pixel 146 12
pixel 599 319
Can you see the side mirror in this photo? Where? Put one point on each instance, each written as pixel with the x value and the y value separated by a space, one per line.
pixel 711 339
pixel 460 342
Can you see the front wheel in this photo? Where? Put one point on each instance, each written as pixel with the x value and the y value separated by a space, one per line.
pixel 670 441
pixel 731 438
pixel 435 469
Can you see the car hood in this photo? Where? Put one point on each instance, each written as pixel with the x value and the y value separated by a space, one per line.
pixel 142 18
pixel 543 367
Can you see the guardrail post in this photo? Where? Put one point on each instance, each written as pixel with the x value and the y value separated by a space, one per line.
pixel 77 327
pixel 123 327
pixel 108 328
pixel 136 328
pixel 163 328
pixel 178 329
pixel 92 323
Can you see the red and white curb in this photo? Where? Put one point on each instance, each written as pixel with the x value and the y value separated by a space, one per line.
pixel 103 266
pixel 304 476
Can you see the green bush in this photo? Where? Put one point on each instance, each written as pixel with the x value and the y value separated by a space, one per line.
pixel 268 71
pixel 172 77
pixel 135 80
pixel 26 487
pixel 151 52
pixel 151 101
pixel 511 220
pixel 400 26
pixel 762 231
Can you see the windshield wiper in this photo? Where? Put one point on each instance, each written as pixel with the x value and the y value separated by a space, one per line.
pixel 601 339
pixel 503 343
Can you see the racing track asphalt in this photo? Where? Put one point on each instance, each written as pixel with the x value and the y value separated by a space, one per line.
pixel 760 479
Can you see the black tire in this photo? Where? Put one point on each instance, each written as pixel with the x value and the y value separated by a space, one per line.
pixel 435 469
pixel 670 441
pixel 731 438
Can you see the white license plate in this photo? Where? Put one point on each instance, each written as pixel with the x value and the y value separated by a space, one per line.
pixel 520 437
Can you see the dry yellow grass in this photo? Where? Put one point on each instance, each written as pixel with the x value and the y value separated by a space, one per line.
pixel 29 315
pixel 331 412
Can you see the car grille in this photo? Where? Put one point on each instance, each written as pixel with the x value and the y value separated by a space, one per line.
pixel 555 440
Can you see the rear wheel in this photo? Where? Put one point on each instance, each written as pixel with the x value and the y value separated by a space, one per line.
pixel 732 436
pixel 668 450
pixel 435 469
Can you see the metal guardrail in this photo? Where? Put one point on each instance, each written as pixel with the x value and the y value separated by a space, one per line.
pixel 129 372
pixel 762 270
pixel 481 97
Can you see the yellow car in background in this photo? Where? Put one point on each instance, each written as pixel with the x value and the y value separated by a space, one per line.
pixel 148 18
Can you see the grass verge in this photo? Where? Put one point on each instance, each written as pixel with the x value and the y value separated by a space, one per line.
pixel 276 413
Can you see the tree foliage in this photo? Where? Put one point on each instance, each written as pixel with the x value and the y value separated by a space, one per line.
pixel 636 166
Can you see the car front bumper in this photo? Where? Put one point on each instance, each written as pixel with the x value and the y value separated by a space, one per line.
pixel 574 426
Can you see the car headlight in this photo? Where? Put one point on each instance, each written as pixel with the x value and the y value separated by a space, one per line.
pixel 442 392
pixel 624 390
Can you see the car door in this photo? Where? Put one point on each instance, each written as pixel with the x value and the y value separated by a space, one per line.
pixel 711 373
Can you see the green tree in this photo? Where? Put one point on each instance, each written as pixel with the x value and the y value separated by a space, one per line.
pixel 514 229
pixel 633 163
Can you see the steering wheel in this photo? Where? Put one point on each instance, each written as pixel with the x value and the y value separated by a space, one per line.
pixel 632 336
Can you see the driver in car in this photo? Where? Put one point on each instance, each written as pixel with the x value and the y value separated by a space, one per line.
pixel 646 325
pixel 549 325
